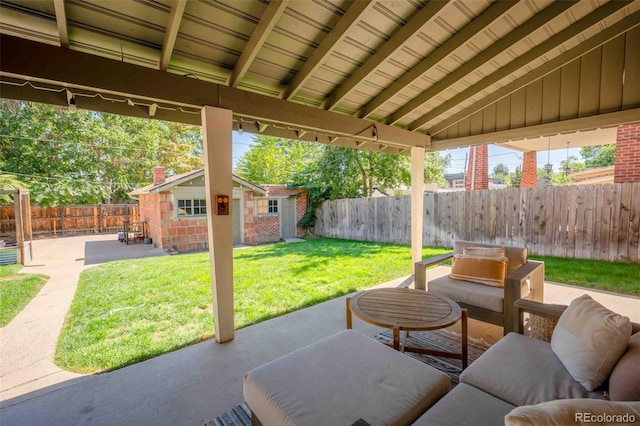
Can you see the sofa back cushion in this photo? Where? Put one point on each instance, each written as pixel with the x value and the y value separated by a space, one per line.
pixel 517 256
pixel 573 411
pixel 589 340
pixel 624 382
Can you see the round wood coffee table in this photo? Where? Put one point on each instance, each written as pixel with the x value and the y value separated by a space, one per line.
pixel 404 309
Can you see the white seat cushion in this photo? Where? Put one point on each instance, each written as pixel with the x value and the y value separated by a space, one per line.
pixel 340 380
pixel 483 296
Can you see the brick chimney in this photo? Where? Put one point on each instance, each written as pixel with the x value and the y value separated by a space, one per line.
pixel 477 168
pixel 158 175
pixel 529 177
pixel 627 154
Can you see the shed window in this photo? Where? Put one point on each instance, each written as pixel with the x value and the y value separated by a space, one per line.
pixel 267 206
pixel 195 207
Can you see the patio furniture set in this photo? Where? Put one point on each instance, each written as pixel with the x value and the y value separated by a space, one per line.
pixel 586 367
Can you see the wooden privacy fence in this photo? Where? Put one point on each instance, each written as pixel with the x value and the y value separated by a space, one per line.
pixel 75 219
pixel 587 222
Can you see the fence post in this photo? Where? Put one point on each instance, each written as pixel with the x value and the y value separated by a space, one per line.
pixel 61 220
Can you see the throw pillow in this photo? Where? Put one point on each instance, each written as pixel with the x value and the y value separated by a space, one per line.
pixel 483 270
pixel 574 411
pixel 484 251
pixel 624 382
pixel 589 339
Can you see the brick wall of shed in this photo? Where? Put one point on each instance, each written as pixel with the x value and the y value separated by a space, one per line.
pixel 267 227
pixel 183 234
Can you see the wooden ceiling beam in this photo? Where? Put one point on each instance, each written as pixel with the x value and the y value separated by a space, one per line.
pixel 537 21
pixel 461 37
pixel 260 33
pixel 171 32
pixel 551 43
pixel 326 46
pixel 61 22
pixel 408 30
pixel 98 78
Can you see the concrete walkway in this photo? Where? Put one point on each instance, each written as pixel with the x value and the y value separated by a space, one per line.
pixel 28 342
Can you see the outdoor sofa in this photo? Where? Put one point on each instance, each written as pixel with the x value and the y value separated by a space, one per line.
pixel 350 379
pixel 486 279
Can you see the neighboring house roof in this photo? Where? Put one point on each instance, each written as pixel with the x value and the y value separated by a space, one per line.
pixel 176 180
pixel 453 176
pixel 594 176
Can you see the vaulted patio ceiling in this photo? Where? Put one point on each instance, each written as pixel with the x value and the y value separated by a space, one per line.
pixel 379 75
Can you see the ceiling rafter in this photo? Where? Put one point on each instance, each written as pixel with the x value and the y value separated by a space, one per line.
pixel 171 33
pixel 599 39
pixel 491 14
pixel 408 30
pixel 538 20
pixel 101 77
pixel 61 22
pixel 346 22
pixel 551 43
pixel 263 29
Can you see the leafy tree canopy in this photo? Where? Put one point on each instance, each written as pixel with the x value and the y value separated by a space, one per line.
pixel 88 157
pixel 599 156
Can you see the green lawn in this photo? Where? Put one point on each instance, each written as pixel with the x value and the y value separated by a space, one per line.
pixel 128 311
pixel 16 291
pixel 617 277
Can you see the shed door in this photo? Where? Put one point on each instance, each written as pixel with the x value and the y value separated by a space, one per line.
pixel 288 218
pixel 235 211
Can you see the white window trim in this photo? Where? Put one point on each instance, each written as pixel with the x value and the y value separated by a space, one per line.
pixel 183 216
pixel 268 199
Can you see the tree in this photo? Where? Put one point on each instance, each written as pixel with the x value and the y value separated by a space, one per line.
pixel 500 170
pixel 88 157
pixel 515 178
pixel 331 172
pixel 273 160
pixel 599 156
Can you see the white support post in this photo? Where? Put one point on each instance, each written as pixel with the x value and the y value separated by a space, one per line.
pixel 417 203
pixel 216 141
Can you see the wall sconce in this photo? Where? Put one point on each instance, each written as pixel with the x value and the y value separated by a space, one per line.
pixel 222 204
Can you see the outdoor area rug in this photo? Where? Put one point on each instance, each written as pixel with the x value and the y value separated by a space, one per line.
pixel 443 340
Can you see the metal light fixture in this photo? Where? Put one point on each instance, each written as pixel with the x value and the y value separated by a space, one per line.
pixel 567 168
pixel 71 101
pixel 549 167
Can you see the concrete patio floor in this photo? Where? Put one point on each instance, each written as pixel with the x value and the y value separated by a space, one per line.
pixel 193 385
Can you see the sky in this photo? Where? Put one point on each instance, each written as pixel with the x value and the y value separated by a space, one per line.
pixel 508 157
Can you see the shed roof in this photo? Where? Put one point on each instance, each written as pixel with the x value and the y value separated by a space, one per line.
pixel 175 180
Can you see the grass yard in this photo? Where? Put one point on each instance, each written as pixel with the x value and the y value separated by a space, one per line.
pixel 16 291
pixel 128 311
pixel 617 277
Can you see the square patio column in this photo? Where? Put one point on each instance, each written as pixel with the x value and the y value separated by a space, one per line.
pixel 417 203
pixel 217 124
